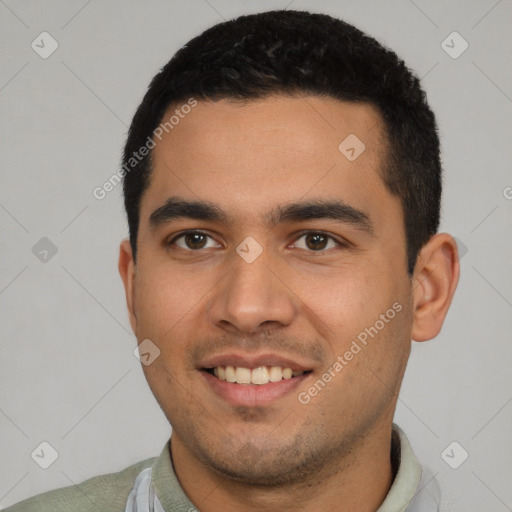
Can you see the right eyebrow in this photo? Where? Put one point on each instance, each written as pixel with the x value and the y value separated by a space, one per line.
pixel 175 208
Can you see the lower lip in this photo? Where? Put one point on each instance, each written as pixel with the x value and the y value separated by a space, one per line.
pixel 252 395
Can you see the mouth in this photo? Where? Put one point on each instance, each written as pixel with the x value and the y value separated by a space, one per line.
pixel 251 380
pixel 258 376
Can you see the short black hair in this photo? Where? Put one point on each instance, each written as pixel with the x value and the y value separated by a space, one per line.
pixel 299 53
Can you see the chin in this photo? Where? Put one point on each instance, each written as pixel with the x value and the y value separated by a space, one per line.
pixel 267 466
pixel 261 476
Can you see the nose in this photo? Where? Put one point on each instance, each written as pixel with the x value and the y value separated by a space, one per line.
pixel 253 297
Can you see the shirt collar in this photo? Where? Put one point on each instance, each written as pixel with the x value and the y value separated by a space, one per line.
pixel 408 476
pixel 168 489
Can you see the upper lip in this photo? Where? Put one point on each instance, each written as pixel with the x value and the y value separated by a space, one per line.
pixel 252 361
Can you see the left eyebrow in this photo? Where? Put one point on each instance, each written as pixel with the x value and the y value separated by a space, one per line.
pixel 337 210
pixel 321 209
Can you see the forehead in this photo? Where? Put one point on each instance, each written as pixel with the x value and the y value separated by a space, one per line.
pixel 252 156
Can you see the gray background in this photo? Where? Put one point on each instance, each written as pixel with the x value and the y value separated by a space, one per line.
pixel 68 374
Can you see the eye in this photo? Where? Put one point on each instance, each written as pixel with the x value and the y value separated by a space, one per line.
pixel 193 240
pixel 317 241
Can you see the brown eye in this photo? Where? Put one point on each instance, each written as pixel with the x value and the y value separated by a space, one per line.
pixel 193 240
pixel 317 242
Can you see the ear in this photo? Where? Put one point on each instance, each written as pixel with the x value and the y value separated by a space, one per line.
pixel 435 279
pixel 126 267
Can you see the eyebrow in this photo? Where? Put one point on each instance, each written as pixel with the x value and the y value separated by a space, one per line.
pixel 177 208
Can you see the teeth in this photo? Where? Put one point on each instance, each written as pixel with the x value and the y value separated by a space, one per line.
pixel 276 373
pixel 287 373
pixel 243 375
pixel 260 375
pixel 230 374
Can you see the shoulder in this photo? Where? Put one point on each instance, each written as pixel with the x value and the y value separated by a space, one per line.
pixel 98 494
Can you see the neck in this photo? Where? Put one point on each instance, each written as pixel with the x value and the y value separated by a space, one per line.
pixel 359 481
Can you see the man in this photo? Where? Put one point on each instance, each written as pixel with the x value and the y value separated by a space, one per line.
pixel 282 185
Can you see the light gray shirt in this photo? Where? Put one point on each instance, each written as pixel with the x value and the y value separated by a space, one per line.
pixel 152 486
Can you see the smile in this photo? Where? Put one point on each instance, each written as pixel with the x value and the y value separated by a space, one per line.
pixel 259 376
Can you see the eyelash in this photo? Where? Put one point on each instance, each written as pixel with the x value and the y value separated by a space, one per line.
pixel 300 235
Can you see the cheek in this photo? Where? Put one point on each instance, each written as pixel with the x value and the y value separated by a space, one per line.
pixel 165 299
pixel 364 318
pixel 345 301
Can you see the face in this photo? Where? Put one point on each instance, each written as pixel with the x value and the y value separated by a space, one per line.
pixel 270 257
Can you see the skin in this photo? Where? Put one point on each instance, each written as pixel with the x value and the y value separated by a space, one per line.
pixel 296 300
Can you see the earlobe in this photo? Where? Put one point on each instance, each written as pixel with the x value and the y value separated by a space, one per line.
pixel 126 266
pixel 435 279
